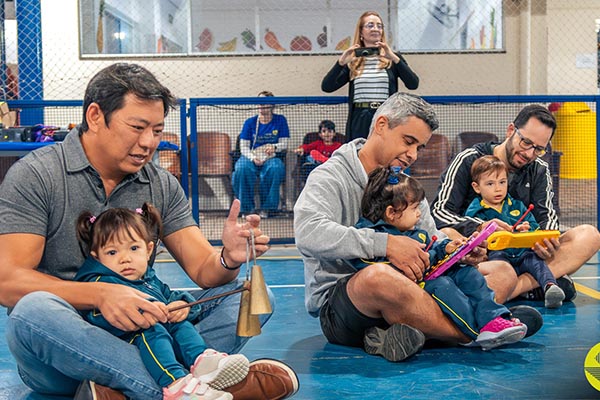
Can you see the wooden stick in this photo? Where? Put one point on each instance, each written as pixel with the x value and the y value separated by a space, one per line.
pixel 522 216
pixel 433 239
pixel 217 296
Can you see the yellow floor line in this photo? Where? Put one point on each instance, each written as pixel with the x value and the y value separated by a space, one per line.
pixel 587 291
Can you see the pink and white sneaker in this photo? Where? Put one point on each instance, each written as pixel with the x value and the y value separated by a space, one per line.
pixel 190 388
pixel 501 331
pixel 220 370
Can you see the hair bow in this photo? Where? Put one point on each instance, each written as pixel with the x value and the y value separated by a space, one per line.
pixel 394 172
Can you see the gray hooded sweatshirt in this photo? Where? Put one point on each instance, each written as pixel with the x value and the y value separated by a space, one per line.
pixel 324 218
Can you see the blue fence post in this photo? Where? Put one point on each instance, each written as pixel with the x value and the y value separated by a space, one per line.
pixel 3 52
pixel 31 87
pixel 193 151
pixel 183 148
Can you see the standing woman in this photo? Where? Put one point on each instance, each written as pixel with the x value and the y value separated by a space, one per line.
pixel 373 78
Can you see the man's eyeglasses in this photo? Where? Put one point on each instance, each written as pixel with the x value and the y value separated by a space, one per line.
pixel 372 25
pixel 527 144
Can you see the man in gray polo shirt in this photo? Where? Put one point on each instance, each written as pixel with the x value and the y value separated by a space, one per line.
pixel 103 164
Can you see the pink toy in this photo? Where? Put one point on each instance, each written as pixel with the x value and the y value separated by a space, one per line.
pixel 454 257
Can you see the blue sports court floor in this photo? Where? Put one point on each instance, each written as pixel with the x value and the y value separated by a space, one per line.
pixel 548 365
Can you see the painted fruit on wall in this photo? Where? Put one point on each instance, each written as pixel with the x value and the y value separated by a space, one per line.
pixel 300 43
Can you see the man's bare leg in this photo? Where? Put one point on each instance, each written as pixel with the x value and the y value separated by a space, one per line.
pixel 500 277
pixel 381 291
pixel 577 245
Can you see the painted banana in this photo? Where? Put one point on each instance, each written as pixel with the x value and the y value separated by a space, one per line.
pixel 230 45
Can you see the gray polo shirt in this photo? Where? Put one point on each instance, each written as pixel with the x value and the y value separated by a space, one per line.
pixel 44 192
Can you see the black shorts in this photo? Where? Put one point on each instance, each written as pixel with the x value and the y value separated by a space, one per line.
pixel 341 322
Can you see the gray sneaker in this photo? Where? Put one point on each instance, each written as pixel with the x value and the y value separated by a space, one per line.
pixel 396 343
pixel 554 296
pixel 565 283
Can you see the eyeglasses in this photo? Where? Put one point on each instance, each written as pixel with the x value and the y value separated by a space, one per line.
pixel 372 25
pixel 527 144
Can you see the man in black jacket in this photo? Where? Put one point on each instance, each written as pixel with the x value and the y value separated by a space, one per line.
pixel 529 181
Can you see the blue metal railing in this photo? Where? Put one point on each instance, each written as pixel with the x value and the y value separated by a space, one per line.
pixel 188 108
pixel 194 103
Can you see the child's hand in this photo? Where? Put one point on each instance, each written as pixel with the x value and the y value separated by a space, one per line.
pixel 524 227
pixel 455 244
pixel 179 315
pixel 299 150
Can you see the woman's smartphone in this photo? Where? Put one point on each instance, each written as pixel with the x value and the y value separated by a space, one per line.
pixel 366 51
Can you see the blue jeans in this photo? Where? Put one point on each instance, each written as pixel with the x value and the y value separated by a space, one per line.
pixel 55 348
pixel 271 174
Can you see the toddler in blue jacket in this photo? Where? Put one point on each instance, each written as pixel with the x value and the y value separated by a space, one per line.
pixel 489 177
pixel 120 243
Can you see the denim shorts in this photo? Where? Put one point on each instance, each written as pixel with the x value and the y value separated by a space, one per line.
pixel 341 322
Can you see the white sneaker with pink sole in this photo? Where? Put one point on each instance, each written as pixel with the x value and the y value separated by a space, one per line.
pixel 220 370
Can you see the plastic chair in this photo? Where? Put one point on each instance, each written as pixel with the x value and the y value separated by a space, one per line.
pixel 431 162
pixel 5 164
pixel 468 139
pixel 170 159
pixel 214 161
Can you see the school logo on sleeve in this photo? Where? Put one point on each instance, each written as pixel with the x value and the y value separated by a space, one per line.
pixel 275 132
pixel 591 366
pixel 515 213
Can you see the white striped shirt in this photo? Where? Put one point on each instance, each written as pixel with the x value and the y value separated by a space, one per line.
pixel 372 84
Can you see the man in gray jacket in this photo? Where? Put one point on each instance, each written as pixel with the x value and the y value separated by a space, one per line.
pixel 380 308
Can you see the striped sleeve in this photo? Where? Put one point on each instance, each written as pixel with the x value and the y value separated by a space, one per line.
pixel 452 197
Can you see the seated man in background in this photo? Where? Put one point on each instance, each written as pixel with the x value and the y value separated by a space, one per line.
pixel 529 181
pixel 261 138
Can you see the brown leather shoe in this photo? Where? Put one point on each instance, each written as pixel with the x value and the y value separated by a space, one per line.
pixel 267 379
pixel 89 390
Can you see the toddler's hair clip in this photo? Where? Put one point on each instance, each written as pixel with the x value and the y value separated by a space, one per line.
pixel 393 178
pixel 139 211
pixel 92 219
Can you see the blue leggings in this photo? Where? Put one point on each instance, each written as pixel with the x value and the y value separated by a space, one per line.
pixel 463 295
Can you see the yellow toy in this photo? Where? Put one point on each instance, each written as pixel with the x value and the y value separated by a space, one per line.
pixel 503 239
